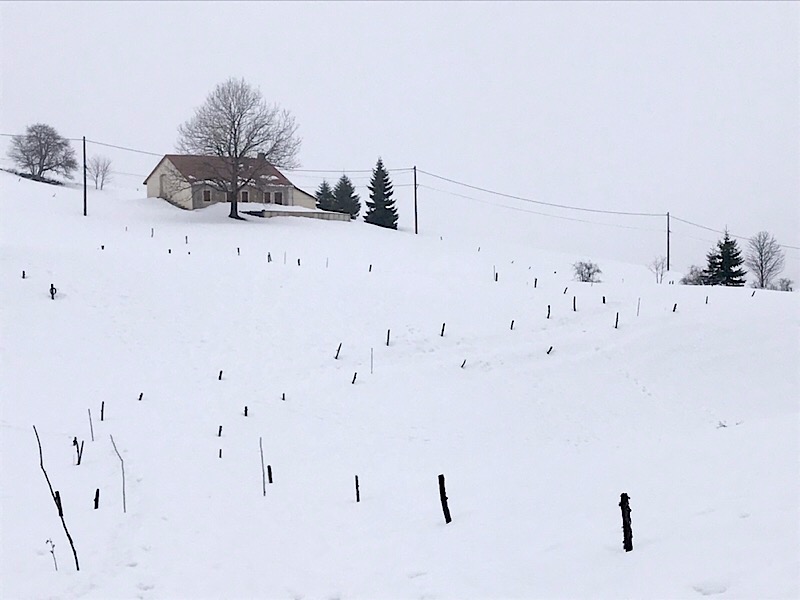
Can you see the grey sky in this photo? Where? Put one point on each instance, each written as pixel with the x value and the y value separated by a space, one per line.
pixel 686 107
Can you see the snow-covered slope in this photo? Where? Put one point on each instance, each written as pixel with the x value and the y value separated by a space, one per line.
pixel 690 406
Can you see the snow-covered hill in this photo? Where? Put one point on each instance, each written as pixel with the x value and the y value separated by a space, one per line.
pixel 689 406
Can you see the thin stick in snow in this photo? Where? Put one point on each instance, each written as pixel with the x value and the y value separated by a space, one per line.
pixel 337 351
pixel 358 493
pixel 263 474
pixel 91 428
pixel 638 305
pixel 616 322
pixel 463 363
pixel 388 333
pixel 122 465
pixel 57 500
pixel 354 377
pixel 371 359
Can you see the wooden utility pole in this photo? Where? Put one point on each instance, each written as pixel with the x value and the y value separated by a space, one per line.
pixel 84 176
pixel 667 241
pixel 416 227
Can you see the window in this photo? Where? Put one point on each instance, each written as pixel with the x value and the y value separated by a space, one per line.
pixel 245 196
pixel 278 197
pixel 266 197
pixel 206 195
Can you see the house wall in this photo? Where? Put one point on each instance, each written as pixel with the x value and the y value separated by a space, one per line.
pixel 300 198
pixel 167 183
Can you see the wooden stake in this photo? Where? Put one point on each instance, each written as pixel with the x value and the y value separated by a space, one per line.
pixel 337 351
pixel 102 410
pixel 616 322
pixel 220 376
pixel 627 532
pixel 358 493
pixel 535 282
pixel 574 307
pixel 443 498
pixel 220 452
pixel 269 473
pixel 354 377
pixel 674 307
pixel 219 433
pixel 245 411
pixel 97 499
pixel 512 324
pixel 388 333
pixel 604 299
pixel 442 334
pixel 548 311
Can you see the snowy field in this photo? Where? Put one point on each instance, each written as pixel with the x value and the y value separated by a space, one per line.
pixel 690 407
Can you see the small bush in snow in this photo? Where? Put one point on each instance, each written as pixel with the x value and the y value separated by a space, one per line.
pixel 784 285
pixel 586 271
pixel 695 276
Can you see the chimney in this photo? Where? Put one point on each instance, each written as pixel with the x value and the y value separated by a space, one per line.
pixel 262 156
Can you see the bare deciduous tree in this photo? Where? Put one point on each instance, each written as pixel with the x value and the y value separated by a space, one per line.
pixel 99 169
pixel 586 271
pixel 42 150
pixel 236 123
pixel 658 266
pixel 784 285
pixel 764 258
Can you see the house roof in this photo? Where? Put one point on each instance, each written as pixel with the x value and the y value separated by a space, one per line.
pixel 199 168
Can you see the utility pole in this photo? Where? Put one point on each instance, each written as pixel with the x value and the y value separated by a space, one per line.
pixel 84 176
pixel 416 227
pixel 667 241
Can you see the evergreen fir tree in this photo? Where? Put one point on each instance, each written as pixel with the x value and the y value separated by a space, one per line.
pixel 324 196
pixel 724 262
pixel 345 199
pixel 381 210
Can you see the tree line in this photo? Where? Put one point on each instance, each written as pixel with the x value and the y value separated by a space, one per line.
pixel 42 151
pixel 724 264
pixel 381 209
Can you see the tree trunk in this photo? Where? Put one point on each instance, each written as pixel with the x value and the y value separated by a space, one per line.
pixel 234 207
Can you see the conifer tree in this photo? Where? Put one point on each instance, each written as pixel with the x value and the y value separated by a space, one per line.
pixel 345 199
pixel 381 210
pixel 724 262
pixel 324 196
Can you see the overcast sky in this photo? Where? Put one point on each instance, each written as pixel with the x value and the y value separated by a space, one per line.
pixel 684 107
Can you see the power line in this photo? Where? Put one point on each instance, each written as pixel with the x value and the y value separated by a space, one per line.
pixel 564 206
pixel 534 212
pixel 344 171
pixel 740 237
pixel 123 148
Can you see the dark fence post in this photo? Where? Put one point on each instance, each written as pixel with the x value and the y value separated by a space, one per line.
pixel 627 532
pixel 358 493
pixel 443 496
pixel 97 499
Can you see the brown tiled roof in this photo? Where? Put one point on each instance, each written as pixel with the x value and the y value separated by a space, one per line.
pixel 199 168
